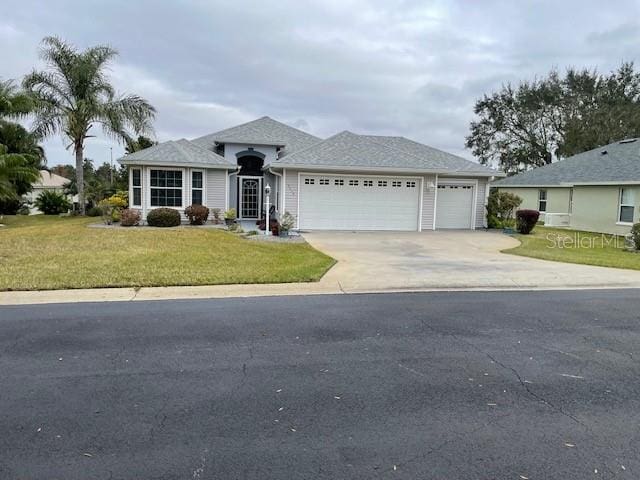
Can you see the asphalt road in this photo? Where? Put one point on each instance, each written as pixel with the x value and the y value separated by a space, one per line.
pixel 537 385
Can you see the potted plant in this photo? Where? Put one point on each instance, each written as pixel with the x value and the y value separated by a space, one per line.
pixel 287 222
pixel 230 216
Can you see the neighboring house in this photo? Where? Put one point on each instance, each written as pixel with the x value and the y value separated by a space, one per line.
pixel 346 182
pixel 596 191
pixel 48 182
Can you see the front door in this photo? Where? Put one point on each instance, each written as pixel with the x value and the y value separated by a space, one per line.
pixel 250 197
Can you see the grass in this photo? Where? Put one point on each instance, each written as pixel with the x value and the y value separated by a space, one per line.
pixel 572 246
pixel 45 252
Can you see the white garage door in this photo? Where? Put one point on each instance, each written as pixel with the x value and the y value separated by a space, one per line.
pixel 331 202
pixel 454 206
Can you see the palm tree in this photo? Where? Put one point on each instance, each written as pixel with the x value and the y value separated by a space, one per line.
pixel 15 169
pixel 74 93
pixel 13 102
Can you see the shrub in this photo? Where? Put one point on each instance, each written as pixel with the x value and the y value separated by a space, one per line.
pixel 52 203
pixel 216 215
pixel 129 217
pixel 163 217
pixel 287 222
pixel 197 214
pixel 635 235
pixel 500 207
pixel 526 220
pixel 274 226
pixel 94 212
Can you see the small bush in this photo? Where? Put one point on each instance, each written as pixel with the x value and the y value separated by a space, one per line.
pixel 635 235
pixel 274 226
pixel 230 214
pixel 197 214
pixel 216 215
pixel 526 220
pixel 500 207
pixel 287 222
pixel 94 212
pixel 52 203
pixel 129 217
pixel 163 217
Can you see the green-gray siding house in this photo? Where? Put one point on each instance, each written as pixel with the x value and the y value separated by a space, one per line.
pixel 595 191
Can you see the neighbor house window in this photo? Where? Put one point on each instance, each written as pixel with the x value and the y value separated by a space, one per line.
pixel 166 188
pixel 136 184
pixel 196 188
pixel 627 205
pixel 542 200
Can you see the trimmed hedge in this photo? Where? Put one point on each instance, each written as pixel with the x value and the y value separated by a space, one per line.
pixel 129 217
pixel 163 217
pixel 197 214
pixel 526 220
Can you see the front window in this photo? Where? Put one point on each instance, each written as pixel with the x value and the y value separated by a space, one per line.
pixel 196 188
pixel 136 184
pixel 542 200
pixel 166 188
pixel 627 205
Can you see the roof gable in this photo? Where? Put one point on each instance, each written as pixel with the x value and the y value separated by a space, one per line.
pixel 263 131
pixel 616 162
pixel 179 152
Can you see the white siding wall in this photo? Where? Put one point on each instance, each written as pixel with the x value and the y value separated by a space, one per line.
pixel 216 189
pixel 428 201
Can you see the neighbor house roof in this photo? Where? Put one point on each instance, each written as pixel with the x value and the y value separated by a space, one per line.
pixel 618 162
pixel 263 131
pixel 351 151
pixel 50 180
pixel 180 152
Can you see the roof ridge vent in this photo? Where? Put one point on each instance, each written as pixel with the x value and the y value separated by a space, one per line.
pixel 603 152
pixel 628 140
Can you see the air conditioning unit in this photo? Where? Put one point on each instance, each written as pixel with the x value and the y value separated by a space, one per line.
pixel 556 219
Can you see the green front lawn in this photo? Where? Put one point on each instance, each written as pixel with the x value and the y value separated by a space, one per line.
pixel 44 252
pixel 572 246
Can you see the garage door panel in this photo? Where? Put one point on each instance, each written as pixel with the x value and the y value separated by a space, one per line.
pixel 359 203
pixel 454 206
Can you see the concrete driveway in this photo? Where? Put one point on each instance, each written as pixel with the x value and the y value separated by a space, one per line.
pixel 376 261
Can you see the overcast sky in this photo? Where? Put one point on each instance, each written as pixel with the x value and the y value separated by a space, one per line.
pixel 411 68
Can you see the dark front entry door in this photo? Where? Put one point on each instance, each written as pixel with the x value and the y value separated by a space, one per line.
pixel 250 197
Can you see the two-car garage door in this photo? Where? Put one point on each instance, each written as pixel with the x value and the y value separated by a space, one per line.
pixel 359 203
pixel 342 202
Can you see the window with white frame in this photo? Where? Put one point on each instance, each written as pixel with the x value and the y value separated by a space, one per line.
pixel 367 183
pixel 627 206
pixel 136 187
pixel 309 181
pixel 396 183
pixel 196 187
pixel 324 181
pixel 353 183
pixel 411 184
pixel 542 200
pixel 382 183
pixel 338 182
pixel 166 188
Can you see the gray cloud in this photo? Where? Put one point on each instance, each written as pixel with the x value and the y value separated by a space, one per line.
pixel 396 67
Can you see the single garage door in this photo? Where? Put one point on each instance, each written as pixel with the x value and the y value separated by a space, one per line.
pixel 454 206
pixel 332 202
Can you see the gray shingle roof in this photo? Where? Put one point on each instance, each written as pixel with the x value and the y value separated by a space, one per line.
pixel 439 158
pixel 620 163
pixel 263 131
pixel 349 150
pixel 179 152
